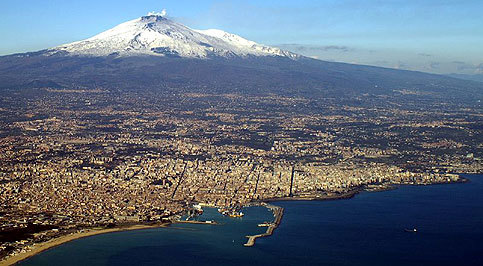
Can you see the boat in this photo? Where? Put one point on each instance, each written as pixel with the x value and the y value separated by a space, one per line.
pixel 231 212
pixel 198 209
pixel 235 214
pixel 413 230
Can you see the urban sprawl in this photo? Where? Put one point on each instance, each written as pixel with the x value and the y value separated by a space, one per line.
pixel 77 159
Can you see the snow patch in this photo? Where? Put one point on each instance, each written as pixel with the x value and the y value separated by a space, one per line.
pixel 159 36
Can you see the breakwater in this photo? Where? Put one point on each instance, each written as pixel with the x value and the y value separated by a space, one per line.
pixel 278 214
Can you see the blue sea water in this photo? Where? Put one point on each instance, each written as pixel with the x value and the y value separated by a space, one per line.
pixel 365 230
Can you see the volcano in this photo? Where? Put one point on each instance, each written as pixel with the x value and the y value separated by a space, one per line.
pixel 155 52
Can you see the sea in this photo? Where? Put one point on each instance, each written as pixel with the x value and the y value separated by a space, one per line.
pixel 369 229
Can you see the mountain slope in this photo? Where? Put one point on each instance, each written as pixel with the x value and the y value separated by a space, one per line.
pixel 153 52
pixel 473 77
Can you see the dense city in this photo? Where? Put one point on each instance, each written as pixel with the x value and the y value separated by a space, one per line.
pixel 76 159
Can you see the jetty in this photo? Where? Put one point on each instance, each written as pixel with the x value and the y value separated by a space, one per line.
pixel 278 213
pixel 195 222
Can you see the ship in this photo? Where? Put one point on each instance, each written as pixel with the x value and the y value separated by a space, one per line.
pixel 198 209
pixel 195 211
pixel 235 214
pixel 232 212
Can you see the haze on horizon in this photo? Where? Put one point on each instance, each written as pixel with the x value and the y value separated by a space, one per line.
pixel 431 36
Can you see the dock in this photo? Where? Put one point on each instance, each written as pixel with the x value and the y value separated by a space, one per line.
pixel 195 222
pixel 278 213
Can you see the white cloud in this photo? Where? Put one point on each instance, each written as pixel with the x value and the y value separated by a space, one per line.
pixel 163 13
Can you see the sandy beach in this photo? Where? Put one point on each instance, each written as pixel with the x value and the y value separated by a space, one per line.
pixel 40 247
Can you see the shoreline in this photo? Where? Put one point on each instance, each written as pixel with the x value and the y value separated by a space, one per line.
pixel 57 241
pixel 352 193
pixel 345 195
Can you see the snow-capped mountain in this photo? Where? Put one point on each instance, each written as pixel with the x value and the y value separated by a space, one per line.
pixel 156 53
pixel 155 34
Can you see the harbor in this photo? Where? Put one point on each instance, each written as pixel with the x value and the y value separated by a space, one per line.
pixel 278 214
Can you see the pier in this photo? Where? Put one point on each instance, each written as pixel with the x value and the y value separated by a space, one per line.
pixel 195 222
pixel 278 213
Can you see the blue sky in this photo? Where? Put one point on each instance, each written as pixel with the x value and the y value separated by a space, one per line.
pixel 428 35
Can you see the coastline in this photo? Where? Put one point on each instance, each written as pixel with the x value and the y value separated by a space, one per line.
pixel 278 211
pixel 352 193
pixel 41 247
pixel 345 195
